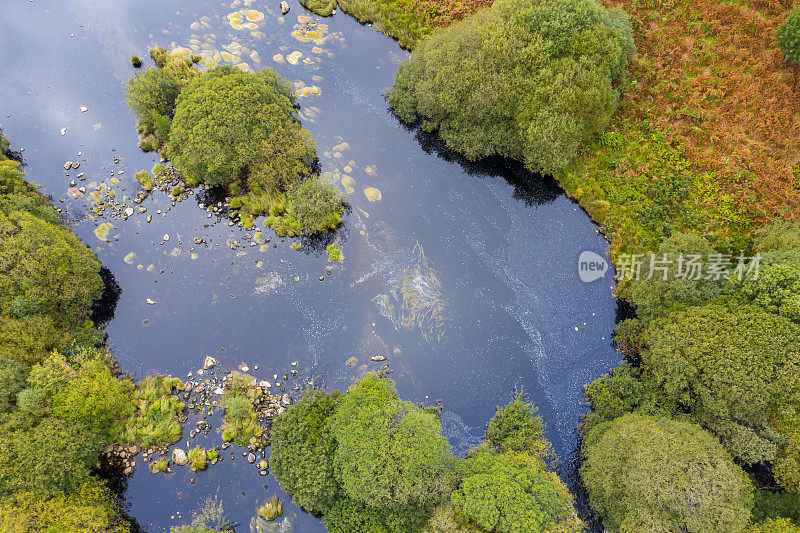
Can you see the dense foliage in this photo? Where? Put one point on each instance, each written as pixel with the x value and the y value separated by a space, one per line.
pixel 368 461
pixel 656 474
pixel 527 79
pixel 788 36
pixel 303 452
pixel 238 130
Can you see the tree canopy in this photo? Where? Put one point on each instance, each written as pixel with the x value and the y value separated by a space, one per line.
pixel 527 79
pixel 652 474
pixel 229 123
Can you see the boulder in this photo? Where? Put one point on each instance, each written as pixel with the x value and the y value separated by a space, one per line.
pixel 179 456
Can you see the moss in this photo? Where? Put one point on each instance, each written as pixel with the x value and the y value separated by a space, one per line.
pixel 147 181
pixel 334 253
pixel 198 458
pixel 323 8
pixel 271 510
pixel 159 466
pixel 136 62
pixel 212 454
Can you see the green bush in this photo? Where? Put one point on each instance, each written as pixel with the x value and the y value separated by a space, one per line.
pixel 33 403
pixel 303 450
pixel 788 36
pixel 655 474
pixel 323 8
pixel 152 90
pixel 46 269
pixel 48 458
pixel 517 428
pixel 523 79
pixel 776 289
pixel 225 120
pixel 626 389
pixel 316 204
pixel 389 453
pixel 736 369
pixel 349 515
pixel 770 504
pixel 88 509
pixel 512 493
pixel 778 236
pixel 13 376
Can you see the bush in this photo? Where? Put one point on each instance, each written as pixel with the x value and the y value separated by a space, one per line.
pixel 316 204
pixel 349 515
pixel 788 36
pixel 46 269
pixel 523 79
pixel 33 403
pixel 655 474
pixel 198 458
pixel 511 493
pixel 89 509
pixel 778 236
pixel 736 369
pixel 32 338
pixel 626 389
pixel 323 8
pixel 225 121
pixel 152 90
pixel 13 376
pixel 390 453
pixel 517 428
pixel 49 458
pixel 303 450
pixel 656 296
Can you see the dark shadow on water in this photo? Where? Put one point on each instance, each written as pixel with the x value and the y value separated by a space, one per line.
pixel 103 309
pixel 530 188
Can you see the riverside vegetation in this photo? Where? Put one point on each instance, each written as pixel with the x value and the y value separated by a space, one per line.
pixel 239 131
pixel 711 382
pixel 368 461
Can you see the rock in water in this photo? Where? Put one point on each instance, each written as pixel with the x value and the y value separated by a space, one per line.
pixel 284 7
pixel 377 358
pixel 251 458
pixel 179 457
pixel 209 362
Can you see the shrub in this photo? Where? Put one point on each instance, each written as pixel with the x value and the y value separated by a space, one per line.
pixel 316 204
pixel 198 459
pixel 13 376
pixel 511 493
pixel 517 428
pixel 334 253
pixel 33 403
pixel 443 520
pixel 32 338
pixel 155 419
pixel 656 296
pixel 303 450
pixel 778 236
pixel 160 465
pixel 655 474
pixel 147 181
pixel 88 509
pixel 152 90
pixel 389 452
pixel 523 79
pixel 349 515
pixel 48 458
pixel 224 122
pixel 788 36
pixel 46 268
pixel 323 8
pixel 736 369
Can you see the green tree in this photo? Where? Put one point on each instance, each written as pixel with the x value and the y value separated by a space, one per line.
pixel 389 452
pixel 650 474
pixel 316 204
pixel 45 269
pixel 225 121
pixel 517 428
pixel 51 457
pixel 89 509
pixel 788 37
pixel 776 289
pixel 152 93
pixel 675 286
pixel 13 376
pixel 523 79
pixel 303 451
pixel 512 493
pixel 736 369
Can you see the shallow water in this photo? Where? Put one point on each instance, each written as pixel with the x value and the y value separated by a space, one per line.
pixel 465 276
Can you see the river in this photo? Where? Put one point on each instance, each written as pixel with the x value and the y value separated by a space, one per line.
pixel 463 275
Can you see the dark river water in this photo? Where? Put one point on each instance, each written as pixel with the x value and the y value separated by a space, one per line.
pixel 465 276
